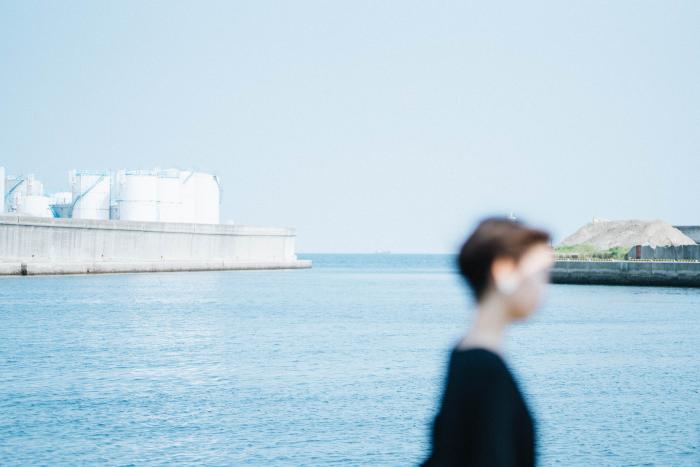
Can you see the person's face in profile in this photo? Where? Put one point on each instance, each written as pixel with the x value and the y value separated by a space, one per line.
pixel 524 283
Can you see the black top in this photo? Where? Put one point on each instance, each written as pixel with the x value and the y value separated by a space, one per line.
pixel 483 419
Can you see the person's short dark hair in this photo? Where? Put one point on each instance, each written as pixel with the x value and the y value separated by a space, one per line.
pixel 493 238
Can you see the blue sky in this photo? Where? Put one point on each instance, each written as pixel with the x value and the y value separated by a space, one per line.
pixel 368 125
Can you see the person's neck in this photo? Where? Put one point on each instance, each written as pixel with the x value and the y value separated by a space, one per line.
pixel 488 328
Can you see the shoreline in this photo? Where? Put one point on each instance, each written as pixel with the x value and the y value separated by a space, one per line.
pixel 38 268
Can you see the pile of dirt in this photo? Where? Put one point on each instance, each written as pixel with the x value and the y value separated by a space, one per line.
pixel 605 234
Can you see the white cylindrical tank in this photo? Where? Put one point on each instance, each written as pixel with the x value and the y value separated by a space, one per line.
pixel 169 196
pixel 34 187
pixel 187 191
pixel 138 196
pixel 209 198
pixel 16 192
pixel 35 206
pixel 14 201
pixel 90 194
pixel 200 198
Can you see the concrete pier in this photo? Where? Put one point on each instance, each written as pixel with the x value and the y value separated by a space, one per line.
pixel 31 245
pixel 651 273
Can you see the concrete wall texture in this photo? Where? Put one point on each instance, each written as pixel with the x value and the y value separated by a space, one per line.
pixel 663 273
pixel 681 252
pixel 72 241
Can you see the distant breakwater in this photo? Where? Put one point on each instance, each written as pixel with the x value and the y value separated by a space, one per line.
pixel 646 273
pixel 34 245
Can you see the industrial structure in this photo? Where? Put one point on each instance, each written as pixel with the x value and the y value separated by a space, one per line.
pixel 171 195
pixel 130 221
pixel 25 194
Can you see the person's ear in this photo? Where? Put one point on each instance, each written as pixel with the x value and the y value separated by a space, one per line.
pixel 504 274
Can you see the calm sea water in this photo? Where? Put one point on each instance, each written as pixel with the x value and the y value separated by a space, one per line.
pixel 338 365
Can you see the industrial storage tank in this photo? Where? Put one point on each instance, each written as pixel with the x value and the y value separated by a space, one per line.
pixel 16 189
pixel 62 197
pixel 25 196
pixel 137 198
pixel 61 204
pixel 169 196
pixel 24 185
pixel 35 206
pixel 209 197
pixel 201 195
pixel 91 191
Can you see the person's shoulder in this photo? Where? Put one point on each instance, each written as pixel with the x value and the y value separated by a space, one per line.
pixel 478 354
pixel 479 360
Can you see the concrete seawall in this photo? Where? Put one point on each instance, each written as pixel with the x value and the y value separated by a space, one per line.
pixel 653 273
pixel 30 245
pixel 112 267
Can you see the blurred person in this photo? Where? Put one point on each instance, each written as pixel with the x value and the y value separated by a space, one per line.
pixel 483 419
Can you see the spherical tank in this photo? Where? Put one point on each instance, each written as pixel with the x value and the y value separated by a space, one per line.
pixel 62 197
pixel 61 204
